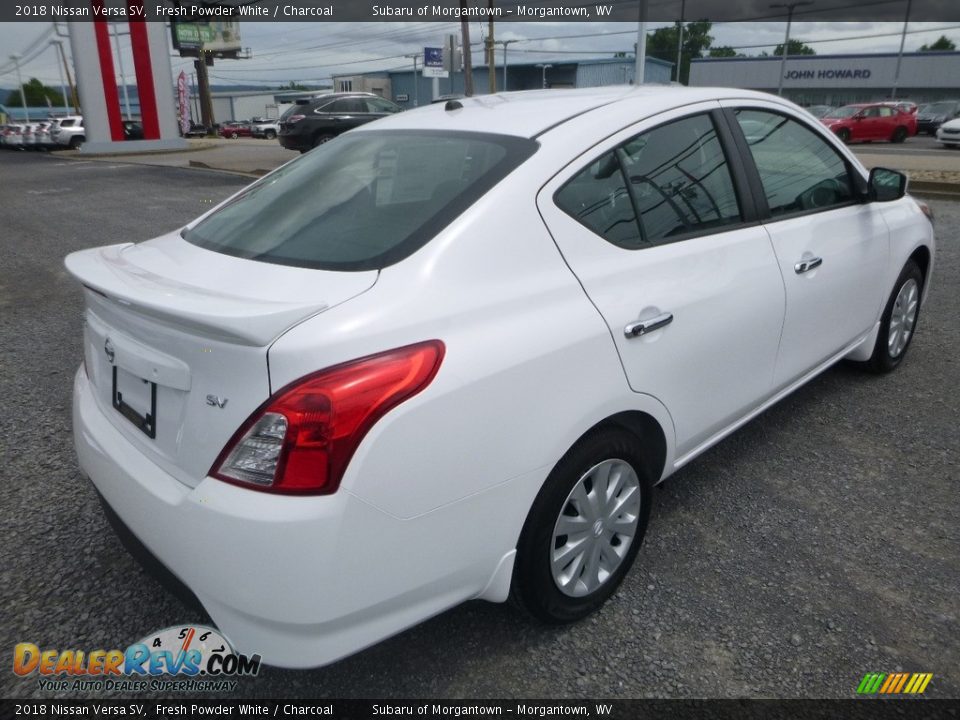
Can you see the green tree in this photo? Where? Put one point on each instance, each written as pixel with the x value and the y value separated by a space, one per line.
pixel 293 86
pixel 662 44
pixel 795 47
pixel 942 43
pixel 36 93
pixel 724 51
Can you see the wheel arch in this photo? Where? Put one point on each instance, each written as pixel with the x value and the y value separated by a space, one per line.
pixel 921 256
pixel 646 429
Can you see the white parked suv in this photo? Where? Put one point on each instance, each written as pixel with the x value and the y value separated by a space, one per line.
pixel 69 132
pixel 448 354
pixel 265 128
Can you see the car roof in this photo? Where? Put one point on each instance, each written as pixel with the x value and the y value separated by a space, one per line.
pixel 530 113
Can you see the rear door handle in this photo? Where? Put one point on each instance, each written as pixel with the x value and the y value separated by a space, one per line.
pixel 645 327
pixel 807 265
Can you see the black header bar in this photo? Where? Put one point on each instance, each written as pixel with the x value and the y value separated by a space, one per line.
pixel 503 10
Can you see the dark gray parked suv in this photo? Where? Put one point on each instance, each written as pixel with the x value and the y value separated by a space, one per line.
pixel 313 121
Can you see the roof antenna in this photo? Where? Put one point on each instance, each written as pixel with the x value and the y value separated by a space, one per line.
pixel 453 105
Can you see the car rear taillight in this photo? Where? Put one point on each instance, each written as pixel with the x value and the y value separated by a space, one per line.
pixel 294 119
pixel 300 441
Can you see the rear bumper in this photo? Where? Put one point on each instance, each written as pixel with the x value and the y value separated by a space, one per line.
pixel 303 581
pixel 295 142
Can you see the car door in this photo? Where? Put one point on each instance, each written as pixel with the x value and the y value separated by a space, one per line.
pixel 661 233
pixel 832 247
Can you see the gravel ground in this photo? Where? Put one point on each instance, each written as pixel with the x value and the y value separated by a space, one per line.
pixel 818 543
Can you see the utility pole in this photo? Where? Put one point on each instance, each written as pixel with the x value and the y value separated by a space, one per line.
pixel 467 55
pixel 491 52
pixel 23 97
pixel 790 7
pixel 641 44
pixel 66 68
pixel 683 5
pixel 903 40
pixel 203 90
pixel 63 82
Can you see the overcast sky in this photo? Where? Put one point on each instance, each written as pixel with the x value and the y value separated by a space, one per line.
pixel 311 52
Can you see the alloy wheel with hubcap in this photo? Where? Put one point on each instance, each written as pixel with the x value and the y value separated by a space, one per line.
pixel 903 318
pixel 585 527
pixel 595 528
pixel 898 324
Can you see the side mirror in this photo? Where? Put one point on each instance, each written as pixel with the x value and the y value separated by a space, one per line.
pixel 887 185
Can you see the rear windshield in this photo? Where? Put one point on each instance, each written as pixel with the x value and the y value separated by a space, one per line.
pixel 362 201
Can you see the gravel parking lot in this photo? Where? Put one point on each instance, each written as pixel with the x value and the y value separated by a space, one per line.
pixel 817 544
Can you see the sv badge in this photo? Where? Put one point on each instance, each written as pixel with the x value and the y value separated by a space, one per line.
pixel 216 401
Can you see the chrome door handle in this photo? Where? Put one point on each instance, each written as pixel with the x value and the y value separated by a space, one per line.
pixel 645 327
pixel 807 265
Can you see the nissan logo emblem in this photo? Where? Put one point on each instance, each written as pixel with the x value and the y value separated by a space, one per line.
pixel 108 349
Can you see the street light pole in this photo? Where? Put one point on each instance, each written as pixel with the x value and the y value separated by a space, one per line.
pixel 23 97
pixel 505 43
pixel 791 6
pixel 123 75
pixel 641 44
pixel 683 6
pixel 544 69
pixel 416 83
pixel 903 40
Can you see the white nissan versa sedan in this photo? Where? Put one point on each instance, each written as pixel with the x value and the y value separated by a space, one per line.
pixel 447 355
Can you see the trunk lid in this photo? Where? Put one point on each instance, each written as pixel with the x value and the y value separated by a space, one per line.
pixel 176 340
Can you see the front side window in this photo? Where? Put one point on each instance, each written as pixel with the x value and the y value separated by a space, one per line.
pixel 363 201
pixel 800 171
pixel 664 184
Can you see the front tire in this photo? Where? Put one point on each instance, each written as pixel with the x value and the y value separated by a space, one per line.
pixel 899 322
pixel 584 529
pixel 270 135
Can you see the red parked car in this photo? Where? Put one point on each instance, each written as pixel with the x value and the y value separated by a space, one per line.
pixel 235 130
pixel 866 122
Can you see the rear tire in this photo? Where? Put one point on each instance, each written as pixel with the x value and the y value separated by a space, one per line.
pixel 584 528
pixel 321 139
pixel 844 136
pixel 233 136
pixel 899 135
pixel 899 322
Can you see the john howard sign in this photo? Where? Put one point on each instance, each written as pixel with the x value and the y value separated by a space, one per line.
pixel 829 74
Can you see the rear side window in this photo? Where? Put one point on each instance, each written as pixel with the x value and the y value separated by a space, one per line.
pixel 381 106
pixel 349 105
pixel 362 201
pixel 799 170
pixel 660 186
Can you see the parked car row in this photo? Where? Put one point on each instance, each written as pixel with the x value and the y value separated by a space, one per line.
pixel 40 135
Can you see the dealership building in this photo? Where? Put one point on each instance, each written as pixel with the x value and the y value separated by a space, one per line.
pixel 838 79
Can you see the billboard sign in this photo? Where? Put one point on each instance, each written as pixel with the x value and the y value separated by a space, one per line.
pixel 219 37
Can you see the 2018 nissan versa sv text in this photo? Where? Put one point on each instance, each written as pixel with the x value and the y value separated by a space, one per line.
pixel 447 355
